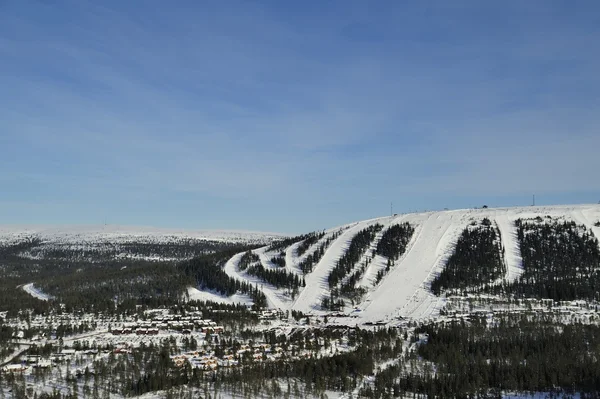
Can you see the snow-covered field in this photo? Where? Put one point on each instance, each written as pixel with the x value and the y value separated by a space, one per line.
pixel 117 234
pixel 194 294
pixel 404 291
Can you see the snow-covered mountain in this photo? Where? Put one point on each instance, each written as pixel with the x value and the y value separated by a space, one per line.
pixel 403 292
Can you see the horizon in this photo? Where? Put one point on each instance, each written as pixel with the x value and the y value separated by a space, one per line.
pixel 270 116
pixel 172 229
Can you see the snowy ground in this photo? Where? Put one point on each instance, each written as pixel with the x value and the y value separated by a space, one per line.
pixel 194 294
pixel 34 292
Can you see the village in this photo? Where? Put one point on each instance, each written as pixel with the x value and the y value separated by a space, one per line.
pixel 79 340
pixel 65 349
pixel 86 336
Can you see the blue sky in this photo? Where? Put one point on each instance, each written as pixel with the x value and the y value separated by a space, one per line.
pixel 293 116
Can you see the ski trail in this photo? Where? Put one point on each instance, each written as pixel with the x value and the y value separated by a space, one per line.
pixel 291 260
pixel 403 290
pixel 317 285
pixel 424 304
pixel 383 260
pixel 510 243
pixel 592 214
pixel 299 259
pixel 275 298
pixel 368 253
pixel 370 274
pixel 36 293
pixel 265 260
pixel 581 218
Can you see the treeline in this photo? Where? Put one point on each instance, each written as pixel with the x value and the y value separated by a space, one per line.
pixel 561 261
pixel 358 246
pixel 80 278
pixel 278 260
pixel 176 248
pixel 309 241
pixel 247 259
pixel 114 286
pixel 13 298
pixel 11 251
pixel 207 272
pixel 279 245
pixel 394 240
pixel 277 278
pixel 392 245
pixel 250 262
pixel 231 315
pixel 312 259
pixel 111 289
pixel 349 289
pixel 476 261
pixel 481 360
pixel 341 283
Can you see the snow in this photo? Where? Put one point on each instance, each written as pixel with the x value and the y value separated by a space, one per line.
pixel 291 260
pixel 317 286
pixel 404 291
pixel 265 258
pixel 194 294
pixel 588 218
pixel 379 262
pixel 34 292
pixel 275 298
pixel 512 253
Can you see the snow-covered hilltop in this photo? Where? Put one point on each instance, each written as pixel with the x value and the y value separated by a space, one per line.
pixel 399 289
pixel 101 243
pixel 123 234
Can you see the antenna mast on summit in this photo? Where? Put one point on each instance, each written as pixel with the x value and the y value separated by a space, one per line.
pixel 391 209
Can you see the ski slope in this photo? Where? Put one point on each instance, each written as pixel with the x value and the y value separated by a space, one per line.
pixel 317 286
pixel 512 254
pixel 405 284
pixel 36 293
pixel 275 298
pixel 404 292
